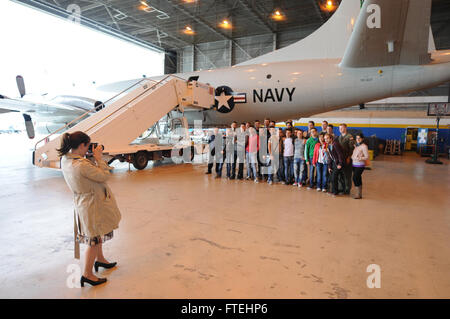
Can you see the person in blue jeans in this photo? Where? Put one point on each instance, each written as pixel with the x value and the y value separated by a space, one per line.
pixel 321 161
pixel 220 153
pixel 288 157
pixel 280 170
pixel 299 160
pixel 230 154
pixel 253 148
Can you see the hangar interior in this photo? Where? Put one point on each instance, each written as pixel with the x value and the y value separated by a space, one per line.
pixel 175 242
pixel 194 37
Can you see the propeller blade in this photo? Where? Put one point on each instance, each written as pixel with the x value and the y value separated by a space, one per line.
pixel 29 125
pixel 20 85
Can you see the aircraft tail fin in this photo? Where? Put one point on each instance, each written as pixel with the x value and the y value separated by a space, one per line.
pixel 390 32
pixel 327 42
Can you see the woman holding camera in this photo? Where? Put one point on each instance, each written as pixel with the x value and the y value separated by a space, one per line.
pixel 96 214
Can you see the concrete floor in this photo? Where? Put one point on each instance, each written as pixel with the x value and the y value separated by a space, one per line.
pixel 187 235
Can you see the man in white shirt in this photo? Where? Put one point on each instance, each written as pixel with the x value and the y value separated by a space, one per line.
pixel 288 156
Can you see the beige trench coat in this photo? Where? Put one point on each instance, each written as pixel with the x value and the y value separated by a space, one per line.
pixel 96 211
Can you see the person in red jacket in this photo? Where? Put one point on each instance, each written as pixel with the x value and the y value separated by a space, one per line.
pixel 321 161
pixel 337 161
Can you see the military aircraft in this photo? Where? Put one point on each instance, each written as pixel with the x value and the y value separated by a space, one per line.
pixel 366 51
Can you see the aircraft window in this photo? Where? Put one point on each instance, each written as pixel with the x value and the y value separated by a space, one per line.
pixel 269 76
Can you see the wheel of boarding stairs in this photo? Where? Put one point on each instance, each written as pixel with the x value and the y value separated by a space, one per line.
pixel 140 160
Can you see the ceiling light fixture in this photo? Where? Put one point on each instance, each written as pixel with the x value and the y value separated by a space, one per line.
pixel 278 15
pixel 143 5
pixel 329 6
pixel 188 30
pixel 225 24
pixel 147 8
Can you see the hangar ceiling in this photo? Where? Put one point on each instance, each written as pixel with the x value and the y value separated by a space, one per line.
pixel 162 23
pixel 192 32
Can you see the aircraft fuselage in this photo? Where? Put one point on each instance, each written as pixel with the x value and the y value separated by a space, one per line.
pixel 297 89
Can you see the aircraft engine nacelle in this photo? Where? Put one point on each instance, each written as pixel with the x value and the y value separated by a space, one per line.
pixel 84 103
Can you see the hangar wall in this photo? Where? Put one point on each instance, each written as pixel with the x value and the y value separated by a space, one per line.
pixel 225 53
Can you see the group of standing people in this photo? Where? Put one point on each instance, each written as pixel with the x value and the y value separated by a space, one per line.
pixel 290 156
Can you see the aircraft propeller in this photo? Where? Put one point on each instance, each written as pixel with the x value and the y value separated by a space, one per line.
pixel 28 121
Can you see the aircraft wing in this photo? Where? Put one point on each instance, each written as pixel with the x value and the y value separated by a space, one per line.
pixel 40 109
pixel 49 115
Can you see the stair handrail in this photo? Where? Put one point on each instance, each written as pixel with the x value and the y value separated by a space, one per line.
pixel 120 108
pixel 110 99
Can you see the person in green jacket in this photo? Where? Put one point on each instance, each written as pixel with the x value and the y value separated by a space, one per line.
pixel 309 153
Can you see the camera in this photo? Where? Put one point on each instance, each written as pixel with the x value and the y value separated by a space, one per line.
pixel 94 145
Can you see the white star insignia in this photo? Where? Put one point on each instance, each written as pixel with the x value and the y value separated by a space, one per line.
pixel 222 100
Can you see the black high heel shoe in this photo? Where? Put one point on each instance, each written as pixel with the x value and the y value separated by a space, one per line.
pixel 91 282
pixel 107 266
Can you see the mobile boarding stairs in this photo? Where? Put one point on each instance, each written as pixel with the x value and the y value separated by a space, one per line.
pixel 130 113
